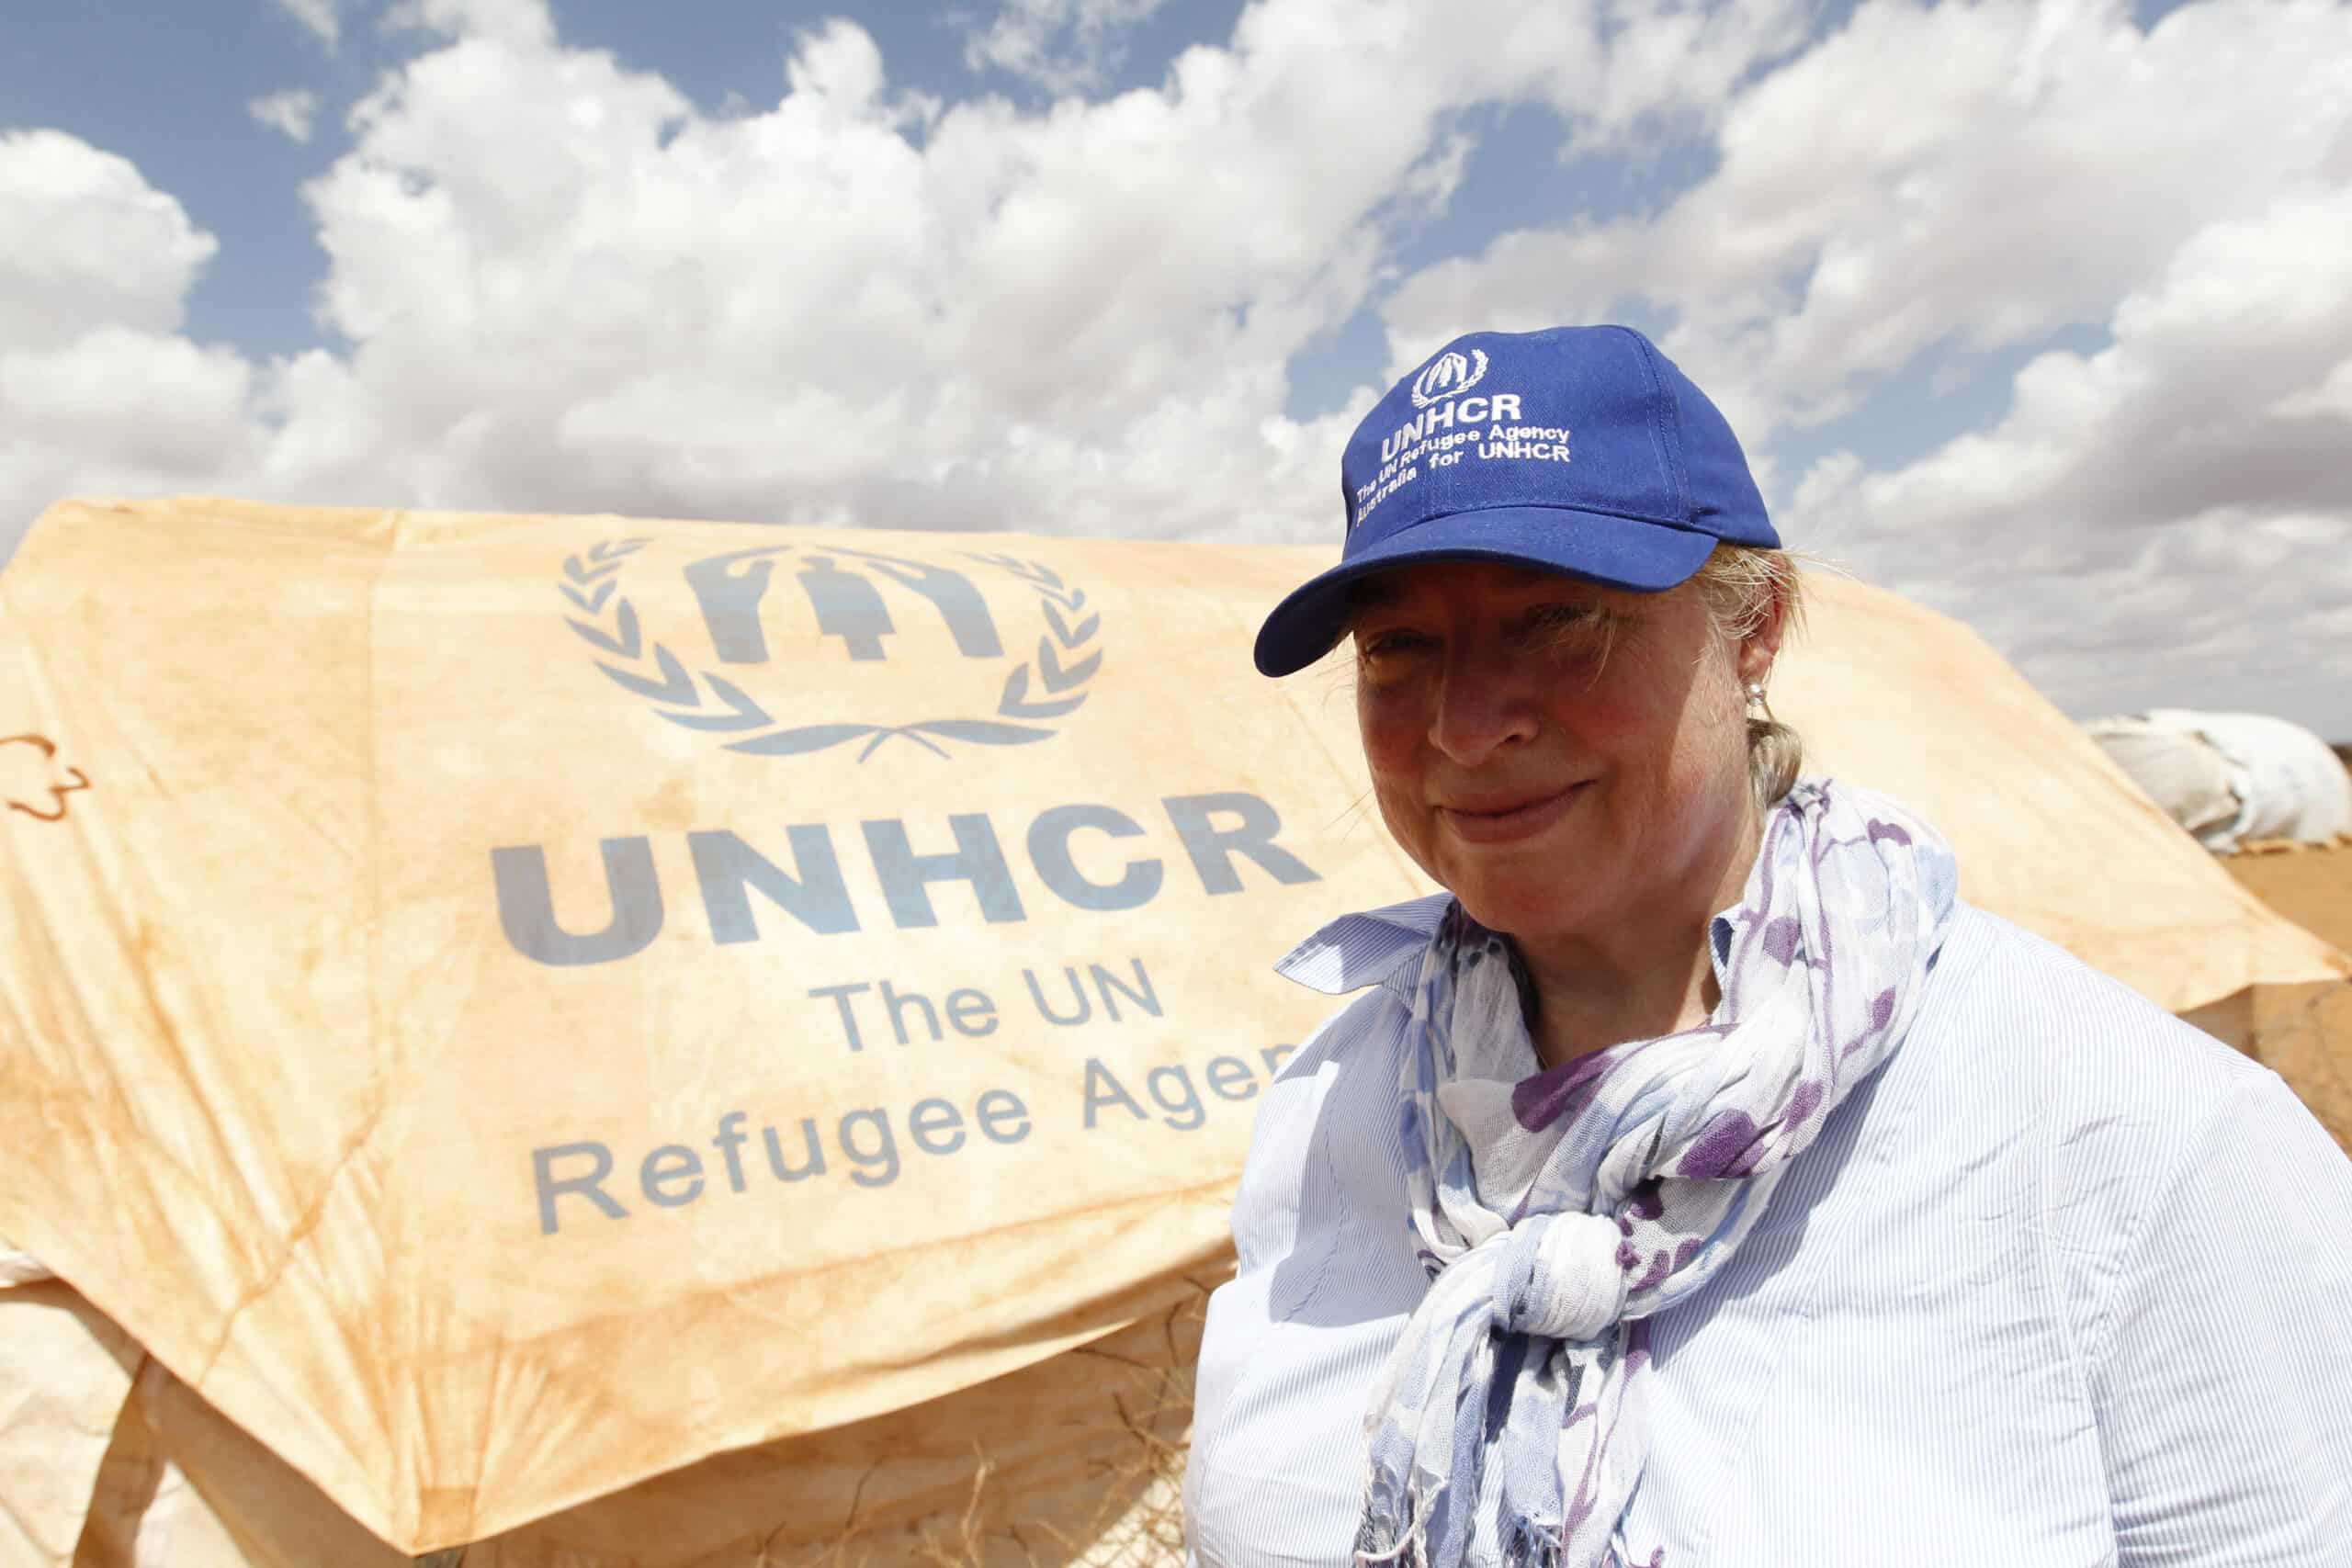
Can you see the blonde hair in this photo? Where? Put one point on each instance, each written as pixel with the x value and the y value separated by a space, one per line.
pixel 1741 586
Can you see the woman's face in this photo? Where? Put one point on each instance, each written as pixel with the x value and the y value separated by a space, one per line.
pixel 1557 756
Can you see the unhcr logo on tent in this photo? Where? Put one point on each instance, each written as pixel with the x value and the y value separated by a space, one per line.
pixel 864 607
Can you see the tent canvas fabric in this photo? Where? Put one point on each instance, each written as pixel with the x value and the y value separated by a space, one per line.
pixel 503 1008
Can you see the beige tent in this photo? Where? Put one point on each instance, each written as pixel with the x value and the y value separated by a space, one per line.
pixel 659 1042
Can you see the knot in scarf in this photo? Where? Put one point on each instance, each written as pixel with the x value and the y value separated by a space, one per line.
pixel 1562 1276
pixel 1556 1211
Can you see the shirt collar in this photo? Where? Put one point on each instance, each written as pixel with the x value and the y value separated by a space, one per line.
pixel 1365 949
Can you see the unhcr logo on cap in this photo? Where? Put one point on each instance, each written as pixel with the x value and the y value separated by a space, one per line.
pixel 1449 375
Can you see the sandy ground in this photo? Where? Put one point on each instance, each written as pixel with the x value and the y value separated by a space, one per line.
pixel 2304 1032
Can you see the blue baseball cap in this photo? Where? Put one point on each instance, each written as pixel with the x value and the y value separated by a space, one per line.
pixel 1579 450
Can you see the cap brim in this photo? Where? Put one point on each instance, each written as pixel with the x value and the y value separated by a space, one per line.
pixel 1611 551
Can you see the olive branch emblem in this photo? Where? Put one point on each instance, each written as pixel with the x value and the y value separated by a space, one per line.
pixel 1066 660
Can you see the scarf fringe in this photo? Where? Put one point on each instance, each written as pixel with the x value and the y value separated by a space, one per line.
pixel 1530 1545
pixel 1395 1531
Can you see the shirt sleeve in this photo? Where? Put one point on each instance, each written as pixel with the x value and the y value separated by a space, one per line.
pixel 2222 1369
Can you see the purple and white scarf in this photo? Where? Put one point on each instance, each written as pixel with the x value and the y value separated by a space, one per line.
pixel 1554 1212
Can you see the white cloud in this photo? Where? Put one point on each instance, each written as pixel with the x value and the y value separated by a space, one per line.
pixel 2167 520
pixel 97 389
pixel 292 111
pixel 1062 45
pixel 319 16
pixel 520 23
pixel 567 286
pixel 85 241
pixel 1979 174
pixel 119 409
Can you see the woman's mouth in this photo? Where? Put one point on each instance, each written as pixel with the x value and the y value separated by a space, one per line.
pixel 1501 820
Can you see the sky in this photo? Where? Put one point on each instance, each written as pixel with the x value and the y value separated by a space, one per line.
pixel 2036 313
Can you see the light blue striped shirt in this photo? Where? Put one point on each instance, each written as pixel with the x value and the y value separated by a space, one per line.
pixel 2068 1282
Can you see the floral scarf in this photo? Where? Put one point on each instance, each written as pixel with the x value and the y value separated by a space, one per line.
pixel 1556 1213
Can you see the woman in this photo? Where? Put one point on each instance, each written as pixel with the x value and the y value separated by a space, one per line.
pixel 1696 1179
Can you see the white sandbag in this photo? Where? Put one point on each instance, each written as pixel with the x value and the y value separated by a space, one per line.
pixel 2179 769
pixel 2232 777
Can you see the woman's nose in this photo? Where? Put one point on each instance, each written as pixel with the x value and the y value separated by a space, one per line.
pixel 1485 704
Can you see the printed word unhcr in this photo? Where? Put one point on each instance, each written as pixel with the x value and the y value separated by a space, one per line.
pixel 1220 834
pixel 1466 415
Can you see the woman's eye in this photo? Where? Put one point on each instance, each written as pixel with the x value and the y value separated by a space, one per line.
pixel 1392 644
pixel 1563 626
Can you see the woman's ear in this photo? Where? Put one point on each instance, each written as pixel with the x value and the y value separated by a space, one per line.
pixel 1762 645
